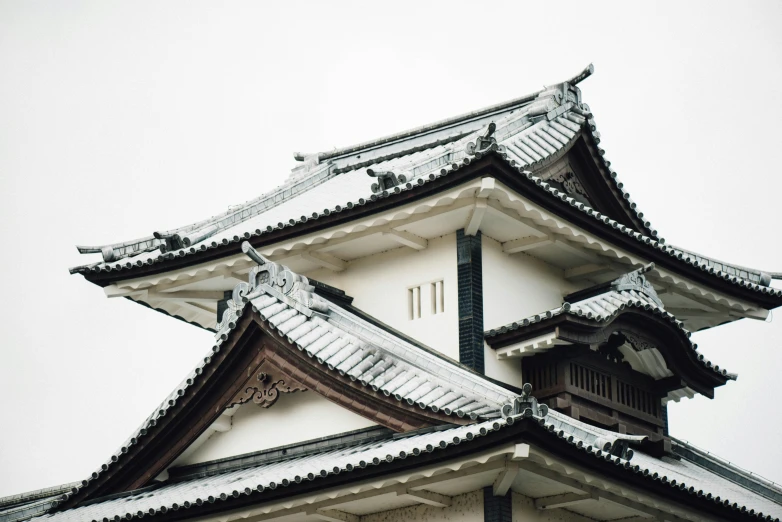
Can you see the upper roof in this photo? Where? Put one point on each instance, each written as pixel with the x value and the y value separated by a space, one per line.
pixel 530 133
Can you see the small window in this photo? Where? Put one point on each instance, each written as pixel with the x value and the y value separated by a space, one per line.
pixel 414 302
pixel 427 297
pixel 437 298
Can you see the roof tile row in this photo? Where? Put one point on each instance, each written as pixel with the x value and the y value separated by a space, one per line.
pixel 603 307
pixel 523 141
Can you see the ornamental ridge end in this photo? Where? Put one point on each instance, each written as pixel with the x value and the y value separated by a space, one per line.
pixel 386 180
pixel 525 405
pixel 636 280
pixel 275 280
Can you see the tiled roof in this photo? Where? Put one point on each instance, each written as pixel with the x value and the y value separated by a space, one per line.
pixel 749 274
pixel 28 510
pixel 32 503
pixel 344 343
pixel 528 134
pixel 716 464
pixel 30 496
pixel 629 291
pixel 681 474
pixel 253 481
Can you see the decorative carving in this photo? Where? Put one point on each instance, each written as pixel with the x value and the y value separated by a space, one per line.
pixel 635 280
pixel 525 404
pixel 483 143
pixel 265 385
pixel 385 180
pixel 276 280
pixel 639 343
pixel 570 183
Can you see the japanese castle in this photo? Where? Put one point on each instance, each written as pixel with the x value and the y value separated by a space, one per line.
pixel 470 320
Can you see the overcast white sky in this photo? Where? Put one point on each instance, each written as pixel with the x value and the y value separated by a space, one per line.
pixel 117 119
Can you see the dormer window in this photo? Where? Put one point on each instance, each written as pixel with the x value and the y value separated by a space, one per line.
pixel 611 356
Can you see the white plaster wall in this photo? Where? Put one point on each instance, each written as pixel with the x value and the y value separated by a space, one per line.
pixel 295 417
pixel 467 508
pixel 515 286
pixel 379 284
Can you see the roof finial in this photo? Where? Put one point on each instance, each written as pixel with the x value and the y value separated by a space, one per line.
pixel 279 281
pixel 253 254
pixel 583 75
pixel 483 142
pixel 635 280
pixel 385 180
pixel 525 405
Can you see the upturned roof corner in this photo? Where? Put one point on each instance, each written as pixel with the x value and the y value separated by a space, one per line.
pixel 530 134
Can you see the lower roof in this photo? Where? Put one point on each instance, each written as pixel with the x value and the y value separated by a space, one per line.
pixel 372 452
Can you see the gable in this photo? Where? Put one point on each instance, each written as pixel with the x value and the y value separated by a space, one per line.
pixel 250 427
pixel 583 174
pixel 624 314
pixel 278 338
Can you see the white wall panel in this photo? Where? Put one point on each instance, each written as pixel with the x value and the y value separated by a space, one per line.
pixel 295 417
pixel 381 285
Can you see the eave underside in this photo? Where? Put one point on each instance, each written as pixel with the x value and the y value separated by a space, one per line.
pixel 526 457
pixel 520 224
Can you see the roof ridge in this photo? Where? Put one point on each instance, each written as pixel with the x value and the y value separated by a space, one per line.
pixel 281 453
pixel 764 278
pixel 187 235
pixel 423 129
pixel 761 482
pixel 35 494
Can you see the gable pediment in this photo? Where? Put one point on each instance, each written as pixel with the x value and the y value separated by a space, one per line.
pixel 249 428
pixel 583 174
pixel 278 338
pixel 625 313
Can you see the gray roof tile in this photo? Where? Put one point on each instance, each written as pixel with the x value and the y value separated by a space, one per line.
pixel 605 305
pixel 304 199
pixel 217 485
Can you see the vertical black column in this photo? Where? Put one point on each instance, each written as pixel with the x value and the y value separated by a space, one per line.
pixel 470 275
pixel 496 509
pixel 664 412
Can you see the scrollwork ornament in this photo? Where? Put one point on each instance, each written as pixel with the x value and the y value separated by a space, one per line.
pixel 570 183
pixel 639 343
pixel 265 388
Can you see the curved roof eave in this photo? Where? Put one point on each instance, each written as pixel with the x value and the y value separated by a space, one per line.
pixel 470 167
